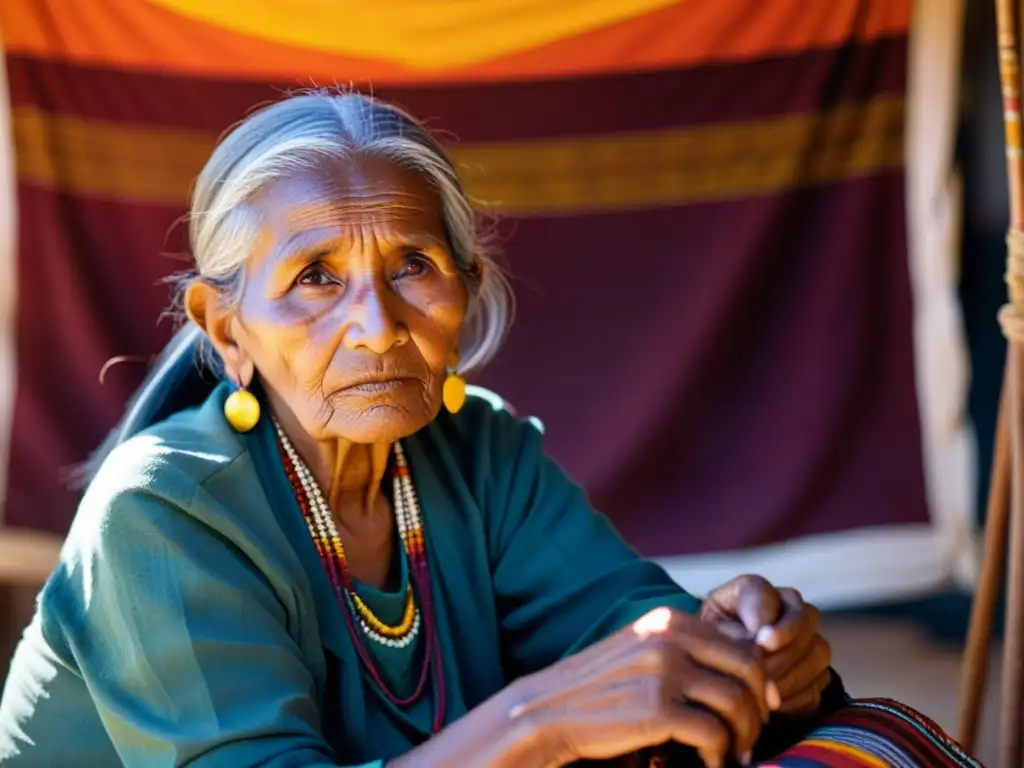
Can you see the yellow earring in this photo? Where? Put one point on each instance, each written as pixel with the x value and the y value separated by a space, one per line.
pixel 454 392
pixel 242 410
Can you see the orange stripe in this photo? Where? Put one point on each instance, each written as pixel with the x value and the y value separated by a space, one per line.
pixel 845 749
pixel 440 34
pixel 629 170
pixel 135 35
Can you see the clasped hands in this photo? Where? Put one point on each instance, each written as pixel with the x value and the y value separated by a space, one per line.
pixel 797 659
pixel 710 681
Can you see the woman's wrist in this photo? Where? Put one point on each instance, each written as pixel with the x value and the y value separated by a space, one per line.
pixel 534 736
pixel 503 732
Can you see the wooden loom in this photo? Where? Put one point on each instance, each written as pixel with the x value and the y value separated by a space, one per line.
pixel 1005 518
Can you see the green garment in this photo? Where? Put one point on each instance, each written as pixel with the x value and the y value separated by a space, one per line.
pixel 191 621
pixel 400 667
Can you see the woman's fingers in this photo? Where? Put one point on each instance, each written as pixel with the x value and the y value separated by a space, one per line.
pixel 779 663
pixel 730 700
pixel 733 629
pixel 815 661
pixel 809 699
pixel 797 617
pixel 637 713
pixel 750 600
pixel 712 649
pixel 758 603
pixel 661 635
pixel 702 731
pixel 670 676
pixel 694 727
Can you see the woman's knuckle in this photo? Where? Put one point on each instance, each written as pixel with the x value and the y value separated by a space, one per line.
pixel 718 736
pixel 754 581
pixel 654 652
pixel 652 694
pixel 680 620
pixel 733 694
pixel 750 664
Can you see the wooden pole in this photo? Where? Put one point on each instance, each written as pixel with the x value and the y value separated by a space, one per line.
pixel 1011 318
pixel 1005 522
pixel 1011 748
pixel 990 581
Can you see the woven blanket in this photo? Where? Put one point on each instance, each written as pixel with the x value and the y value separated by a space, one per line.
pixel 875 733
pixel 865 733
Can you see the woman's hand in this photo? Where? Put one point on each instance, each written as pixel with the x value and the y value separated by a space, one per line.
pixel 668 677
pixel 798 658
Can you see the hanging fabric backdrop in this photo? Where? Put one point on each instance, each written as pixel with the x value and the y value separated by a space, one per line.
pixel 704 204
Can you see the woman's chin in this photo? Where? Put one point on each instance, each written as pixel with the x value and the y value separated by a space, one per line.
pixel 381 422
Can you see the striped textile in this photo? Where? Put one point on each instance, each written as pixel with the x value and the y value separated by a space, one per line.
pixel 702 203
pixel 875 733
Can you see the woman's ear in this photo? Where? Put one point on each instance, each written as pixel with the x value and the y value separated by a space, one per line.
pixel 205 306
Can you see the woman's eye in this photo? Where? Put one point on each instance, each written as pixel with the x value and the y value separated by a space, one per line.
pixel 315 275
pixel 415 265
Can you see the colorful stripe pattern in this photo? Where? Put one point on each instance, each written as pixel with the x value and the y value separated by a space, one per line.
pixel 875 733
pixel 701 202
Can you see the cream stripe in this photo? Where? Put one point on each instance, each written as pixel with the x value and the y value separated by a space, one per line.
pixel 8 281
pixel 832 570
pixel 27 557
pixel 933 231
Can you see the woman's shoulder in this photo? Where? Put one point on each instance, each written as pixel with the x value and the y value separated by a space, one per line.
pixel 173 488
pixel 492 450
pixel 170 459
pixel 486 429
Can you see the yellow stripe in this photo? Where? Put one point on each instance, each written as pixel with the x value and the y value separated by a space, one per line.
pixel 657 168
pixel 648 169
pixel 424 34
pixel 859 754
pixel 106 159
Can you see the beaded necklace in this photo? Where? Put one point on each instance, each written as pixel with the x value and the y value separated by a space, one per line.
pixel 324 532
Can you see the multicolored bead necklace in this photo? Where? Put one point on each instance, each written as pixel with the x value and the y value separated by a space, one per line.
pixel 320 522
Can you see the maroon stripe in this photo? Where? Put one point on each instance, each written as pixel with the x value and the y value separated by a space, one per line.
pixel 751 383
pixel 497 112
pixel 927 732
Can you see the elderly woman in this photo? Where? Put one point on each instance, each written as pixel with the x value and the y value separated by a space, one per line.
pixel 332 556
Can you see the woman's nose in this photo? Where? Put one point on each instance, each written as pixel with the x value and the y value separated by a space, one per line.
pixel 374 322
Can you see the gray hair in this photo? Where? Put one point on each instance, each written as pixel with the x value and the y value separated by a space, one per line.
pixel 302 131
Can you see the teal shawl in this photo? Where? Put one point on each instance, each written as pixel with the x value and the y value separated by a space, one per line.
pixel 190 619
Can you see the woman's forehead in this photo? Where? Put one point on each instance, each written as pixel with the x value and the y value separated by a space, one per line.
pixel 350 194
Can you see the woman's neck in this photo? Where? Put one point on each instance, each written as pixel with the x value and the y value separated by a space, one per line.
pixel 355 472
pixel 350 475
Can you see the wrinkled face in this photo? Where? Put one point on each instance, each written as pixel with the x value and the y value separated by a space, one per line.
pixel 353 303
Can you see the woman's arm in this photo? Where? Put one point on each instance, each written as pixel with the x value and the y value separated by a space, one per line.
pixel 183 646
pixel 563 578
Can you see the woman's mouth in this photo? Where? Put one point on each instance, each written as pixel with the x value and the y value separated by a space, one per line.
pixel 377 387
